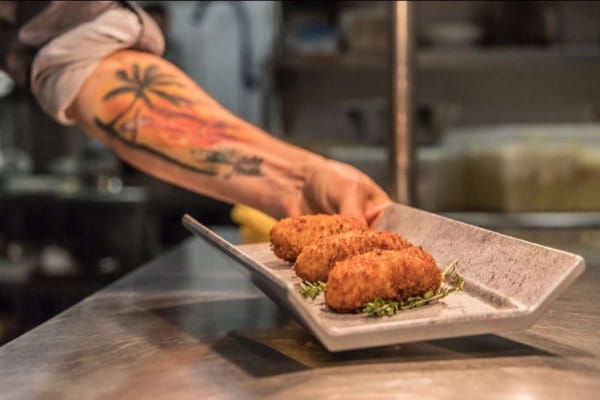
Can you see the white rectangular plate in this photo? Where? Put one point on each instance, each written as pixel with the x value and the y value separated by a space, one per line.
pixel 509 283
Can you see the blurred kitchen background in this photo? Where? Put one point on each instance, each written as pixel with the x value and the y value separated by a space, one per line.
pixel 505 127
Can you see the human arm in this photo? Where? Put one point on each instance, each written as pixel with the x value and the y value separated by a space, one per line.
pixel 157 119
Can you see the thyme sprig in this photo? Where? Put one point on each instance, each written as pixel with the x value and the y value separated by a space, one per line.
pixel 311 289
pixel 381 307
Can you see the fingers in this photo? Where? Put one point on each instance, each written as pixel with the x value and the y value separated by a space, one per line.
pixel 367 201
pixel 335 187
pixel 353 205
pixel 374 212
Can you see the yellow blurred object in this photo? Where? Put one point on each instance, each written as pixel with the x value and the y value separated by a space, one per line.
pixel 254 225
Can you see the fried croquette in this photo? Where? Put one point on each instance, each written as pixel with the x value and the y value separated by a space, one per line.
pixel 290 235
pixel 316 259
pixel 386 274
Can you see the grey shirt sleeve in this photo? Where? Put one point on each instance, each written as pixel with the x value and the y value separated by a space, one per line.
pixel 70 38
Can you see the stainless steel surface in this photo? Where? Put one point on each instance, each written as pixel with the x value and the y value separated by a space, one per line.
pixel 188 325
pixel 508 283
pixel 402 60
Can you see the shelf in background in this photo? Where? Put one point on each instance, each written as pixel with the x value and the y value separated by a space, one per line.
pixel 318 62
pixel 448 58
pixel 509 57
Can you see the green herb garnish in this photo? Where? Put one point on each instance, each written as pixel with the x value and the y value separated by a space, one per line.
pixel 380 307
pixel 311 289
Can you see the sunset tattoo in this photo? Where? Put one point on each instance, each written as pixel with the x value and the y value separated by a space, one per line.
pixel 148 109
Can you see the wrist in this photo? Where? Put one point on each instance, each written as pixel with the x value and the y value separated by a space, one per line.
pixel 300 174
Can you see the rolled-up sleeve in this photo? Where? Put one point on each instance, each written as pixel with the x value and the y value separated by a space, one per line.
pixel 64 62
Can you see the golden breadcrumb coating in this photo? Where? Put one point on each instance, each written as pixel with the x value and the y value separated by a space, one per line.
pixel 386 274
pixel 290 235
pixel 316 259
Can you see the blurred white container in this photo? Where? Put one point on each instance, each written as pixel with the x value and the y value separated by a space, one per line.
pixel 516 168
pixel 440 183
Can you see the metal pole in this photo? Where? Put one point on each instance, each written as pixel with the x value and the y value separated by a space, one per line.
pixel 402 51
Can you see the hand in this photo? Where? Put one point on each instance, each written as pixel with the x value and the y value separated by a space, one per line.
pixel 332 187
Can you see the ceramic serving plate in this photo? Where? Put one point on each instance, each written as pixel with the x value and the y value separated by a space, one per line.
pixel 509 283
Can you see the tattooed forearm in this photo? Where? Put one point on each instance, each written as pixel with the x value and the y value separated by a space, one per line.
pixel 150 110
pixel 236 163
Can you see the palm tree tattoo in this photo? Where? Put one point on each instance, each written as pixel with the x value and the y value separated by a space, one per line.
pixel 143 85
pixel 154 104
